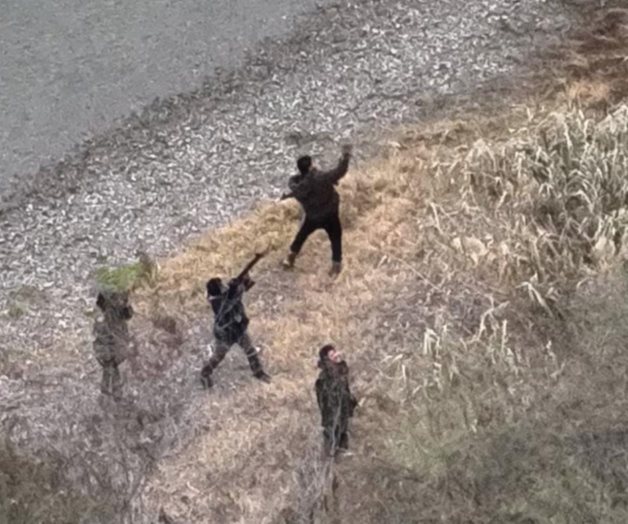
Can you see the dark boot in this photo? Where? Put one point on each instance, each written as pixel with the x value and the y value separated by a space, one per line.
pixel 288 262
pixel 336 268
pixel 344 442
pixel 262 375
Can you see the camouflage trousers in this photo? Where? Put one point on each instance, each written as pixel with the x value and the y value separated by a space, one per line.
pixel 221 350
pixel 111 383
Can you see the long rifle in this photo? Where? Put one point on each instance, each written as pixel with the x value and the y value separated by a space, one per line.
pixel 232 292
pixel 249 266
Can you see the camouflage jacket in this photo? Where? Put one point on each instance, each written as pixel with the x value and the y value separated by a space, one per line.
pixel 335 401
pixel 230 320
pixel 111 341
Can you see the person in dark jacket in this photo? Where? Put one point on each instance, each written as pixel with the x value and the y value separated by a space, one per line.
pixel 316 192
pixel 112 341
pixel 335 401
pixel 230 326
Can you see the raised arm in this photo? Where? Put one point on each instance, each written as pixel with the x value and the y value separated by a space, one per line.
pixel 236 289
pixel 334 175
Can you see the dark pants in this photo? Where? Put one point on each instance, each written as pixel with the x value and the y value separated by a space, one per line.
pixel 222 348
pixel 331 225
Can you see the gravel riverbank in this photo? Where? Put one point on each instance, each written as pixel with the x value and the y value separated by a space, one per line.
pixel 70 69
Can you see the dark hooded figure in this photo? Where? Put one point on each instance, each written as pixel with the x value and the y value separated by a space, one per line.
pixel 230 326
pixel 316 192
pixel 111 338
pixel 335 401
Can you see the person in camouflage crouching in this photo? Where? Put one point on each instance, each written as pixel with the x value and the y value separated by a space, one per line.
pixel 111 338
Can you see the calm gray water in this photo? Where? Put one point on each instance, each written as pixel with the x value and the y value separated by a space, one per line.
pixel 70 68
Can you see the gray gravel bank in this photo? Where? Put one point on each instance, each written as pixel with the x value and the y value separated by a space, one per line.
pixel 71 68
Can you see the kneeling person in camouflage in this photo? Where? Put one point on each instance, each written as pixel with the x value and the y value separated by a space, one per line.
pixel 111 338
pixel 230 326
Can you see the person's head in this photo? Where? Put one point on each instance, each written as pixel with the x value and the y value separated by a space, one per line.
pixel 115 304
pixel 328 354
pixel 304 164
pixel 214 287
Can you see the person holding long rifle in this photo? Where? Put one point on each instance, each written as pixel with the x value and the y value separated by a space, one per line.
pixel 231 323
